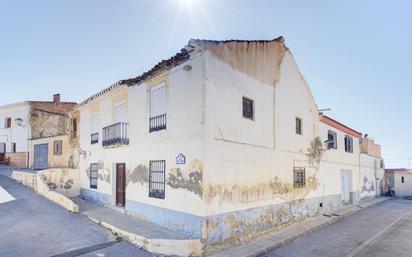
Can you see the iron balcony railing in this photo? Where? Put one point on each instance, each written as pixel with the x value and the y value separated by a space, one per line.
pixel 115 134
pixel 157 123
pixel 94 138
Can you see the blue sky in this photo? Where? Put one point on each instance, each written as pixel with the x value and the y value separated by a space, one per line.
pixel 355 55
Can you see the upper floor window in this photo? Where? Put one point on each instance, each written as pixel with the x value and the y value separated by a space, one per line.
pixel 348 144
pixel 13 147
pixel 120 112
pixel 74 128
pixel 403 179
pixel 332 140
pixel 299 126
pixel 248 112
pixel 58 147
pixel 299 177
pixel 7 122
pixel 94 128
pixel 157 119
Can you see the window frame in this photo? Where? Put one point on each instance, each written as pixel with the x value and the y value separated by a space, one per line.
pixel 57 151
pixel 92 178
pixel 7 122
pixel 299 177
pixel 157 189
pixel 252 106
pixel 298 129
pixel 348 144
pixel 335 139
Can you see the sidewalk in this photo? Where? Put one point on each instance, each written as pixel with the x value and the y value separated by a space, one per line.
pixel 267 243
pixel 151 237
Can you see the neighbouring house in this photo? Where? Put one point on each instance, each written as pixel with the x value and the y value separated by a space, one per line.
pixel 38 134
pixel 400 181
pixel 223 142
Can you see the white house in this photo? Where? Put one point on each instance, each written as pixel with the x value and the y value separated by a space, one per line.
pixel 13 137
pixel 400 181
pixel 34 134
pixel 222 142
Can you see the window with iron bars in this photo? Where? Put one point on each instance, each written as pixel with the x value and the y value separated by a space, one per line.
pixel 299 178
pixel 93 175
pixel 157 179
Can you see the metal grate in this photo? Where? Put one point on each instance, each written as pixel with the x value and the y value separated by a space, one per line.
pixel 115 134
pixel 157 123
pixel 157 179
pixel 94 138
pixel 93 175
pixel 299 178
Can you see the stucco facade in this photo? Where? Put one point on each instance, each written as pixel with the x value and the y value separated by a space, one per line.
pixel 13 138
pixel 227 178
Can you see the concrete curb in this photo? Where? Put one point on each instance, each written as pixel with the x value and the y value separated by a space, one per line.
pixel 342 214
pixel 168 247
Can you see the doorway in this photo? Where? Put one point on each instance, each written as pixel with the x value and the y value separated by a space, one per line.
pixel 345 178
pixel 41 156
pixel 2 151
pixel 120 184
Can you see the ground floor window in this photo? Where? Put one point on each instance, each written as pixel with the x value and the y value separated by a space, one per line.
pixel 299 179
pixel 93 175
pixel 157 179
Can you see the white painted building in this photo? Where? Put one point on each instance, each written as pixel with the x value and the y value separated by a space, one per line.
pixel 222 142
pixel 400 181
pixel 13 137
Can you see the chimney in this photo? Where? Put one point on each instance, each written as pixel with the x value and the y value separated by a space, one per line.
pixel 56 98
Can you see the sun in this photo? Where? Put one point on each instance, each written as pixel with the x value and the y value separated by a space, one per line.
pixel 188 4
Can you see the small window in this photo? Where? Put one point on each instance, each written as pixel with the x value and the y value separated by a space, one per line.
pixel 93 175
pixel 332 140
pixel 157 179
pixel 299 179
pixel 13 147
pixel 248 108
pixel 298 126
pixel 382 164
pixel 157 119
pixel 74 128
pixel 403 179
pixel 7 122
pixel 348 144
pixel 94 138
pixel 57 147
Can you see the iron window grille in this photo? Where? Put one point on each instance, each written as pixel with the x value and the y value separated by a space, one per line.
pixel 157 123
pixel 298 126
pixel 247 106
pixel 94 138
pixel 115 134
pixel 332 140
pixel 348 144
pixel 93 175
pixel 157 179
pixel 299 177
pixel 58 147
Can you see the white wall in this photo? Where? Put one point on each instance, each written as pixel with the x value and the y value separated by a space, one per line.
pixel 15 134
pixel 403 189
pixel 184 134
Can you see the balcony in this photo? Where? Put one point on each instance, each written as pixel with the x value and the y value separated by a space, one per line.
pixel 157 123
pixel 115 135
pixel 94 138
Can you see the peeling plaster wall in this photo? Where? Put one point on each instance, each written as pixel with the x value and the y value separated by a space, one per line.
pixel 184 134
pixel 371 176
pixel 47 124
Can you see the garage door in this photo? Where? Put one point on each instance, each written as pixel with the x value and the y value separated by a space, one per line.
pixel 41 156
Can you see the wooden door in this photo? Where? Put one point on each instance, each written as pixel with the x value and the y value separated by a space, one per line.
pixel 2 151
pixel 120 184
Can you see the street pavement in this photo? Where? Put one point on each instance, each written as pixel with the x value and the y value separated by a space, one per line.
pixel 33 226
pixel 384 230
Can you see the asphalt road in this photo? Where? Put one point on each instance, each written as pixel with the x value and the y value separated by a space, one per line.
pixel 384 230
pixel 32 226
